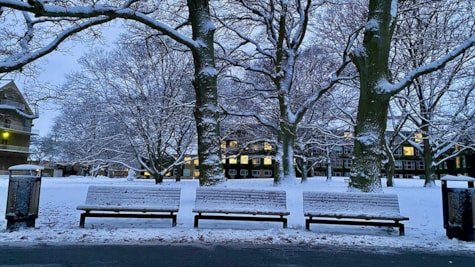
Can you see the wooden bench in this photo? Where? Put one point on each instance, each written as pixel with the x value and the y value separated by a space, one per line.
pixel 131 202
pixel 243 204
pixel 352 209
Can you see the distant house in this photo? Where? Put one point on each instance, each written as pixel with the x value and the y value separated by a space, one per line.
pixel 16 121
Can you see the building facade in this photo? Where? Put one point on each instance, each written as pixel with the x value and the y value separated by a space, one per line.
pixel 16 122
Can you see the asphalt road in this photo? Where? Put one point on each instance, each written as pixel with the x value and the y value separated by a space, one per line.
pixel 220 255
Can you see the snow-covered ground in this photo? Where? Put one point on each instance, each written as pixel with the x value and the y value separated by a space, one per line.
pixel 58 220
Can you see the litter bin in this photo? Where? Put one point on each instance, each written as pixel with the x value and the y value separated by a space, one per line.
pixel 23 196
pixel 458 206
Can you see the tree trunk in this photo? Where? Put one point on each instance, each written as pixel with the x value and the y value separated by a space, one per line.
pixel 205 84
pixel 286 141
pixel 429 171
pixel 390 166
pixel 328 162
pixel 371 61
pixel 304 170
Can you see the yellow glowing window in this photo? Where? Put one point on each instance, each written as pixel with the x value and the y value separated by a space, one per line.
pixel 418 137
pixel 267 146
pixel 244 159
pixel 223 159
pixel 196 173
pixel 233 160
pixel 223 144
pixel 408 151
pixel 187 159
pixel 233 144
pixel 457 162
pixel 348 135
pixel 267 161
pixel 256 161
pixel 196 162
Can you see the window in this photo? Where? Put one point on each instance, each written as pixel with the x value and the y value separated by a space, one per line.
pixel 267 173
pixel 232 144
pixel 347 163
pixel 244 160
pixel 196 162
pixel 338 163
pixel 244 172
pixel 409 165
pixel 338 150
pixel 256 161
pixel 267 146
pixel 418 137
pixel 232 171
pixel 233 160
pixel 186 172
pixel 398 165
pixel 420 165
pixel 408 151
pixel 348 136
pixel 267 161
pixel 256 173
pixel 223 144
pixel 196 173
pixel 223 159
pixel 348 150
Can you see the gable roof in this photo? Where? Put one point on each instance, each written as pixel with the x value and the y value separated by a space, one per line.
pixel 8 87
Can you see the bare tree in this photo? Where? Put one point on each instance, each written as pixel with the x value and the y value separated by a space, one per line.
pixel 434 100
pixel 377 86
pixel 271 35
pixel 199 39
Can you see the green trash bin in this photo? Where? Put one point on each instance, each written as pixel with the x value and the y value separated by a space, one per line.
pixel 458 206
pixel 23 196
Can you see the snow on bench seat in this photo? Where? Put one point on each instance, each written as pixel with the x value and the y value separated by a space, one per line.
pixel 131 202
pixel 262 205
pixel 353 209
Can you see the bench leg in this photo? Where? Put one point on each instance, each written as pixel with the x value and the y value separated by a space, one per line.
pixel 401 229
pixel 307 224
pixel 82 220
pixel 284 220
pixel 173 220
pixel 196 221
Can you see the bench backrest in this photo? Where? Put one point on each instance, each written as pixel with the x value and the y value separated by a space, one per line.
pixel 356 205
pixel 137 196
pixel 241 200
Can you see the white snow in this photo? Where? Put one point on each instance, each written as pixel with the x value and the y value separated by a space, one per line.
pixel 58 221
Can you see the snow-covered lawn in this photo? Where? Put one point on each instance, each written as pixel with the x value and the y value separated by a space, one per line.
pixel 58 222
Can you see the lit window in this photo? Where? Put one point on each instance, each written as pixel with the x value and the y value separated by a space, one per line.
pixel 348 135
pixel 223 159
pixel 408 151
pixel 267 146
pixel 187 159
pixel 223 144
pixel 244 159
pixel 267 161
pixel 457 162
pixel 196 173
pixel 196 162
pixel 233 160
pixel 232 144
pixel 418 137
pixel 256 161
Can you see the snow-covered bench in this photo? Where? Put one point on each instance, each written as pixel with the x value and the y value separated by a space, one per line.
pixel 352 209
pixel 131 202
pixel 243 204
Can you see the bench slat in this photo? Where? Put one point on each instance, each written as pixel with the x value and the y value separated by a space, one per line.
pixel 136 201
pixel 263 205
pixel 351 206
